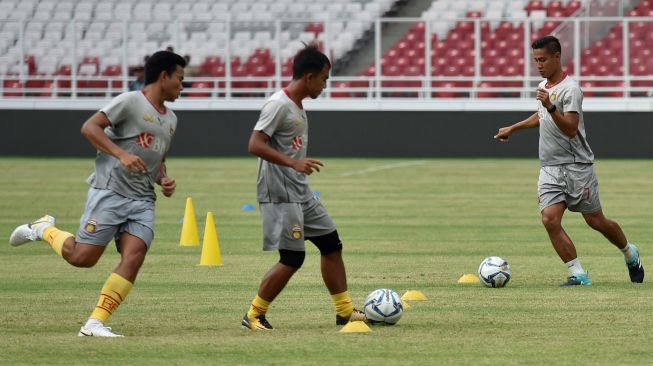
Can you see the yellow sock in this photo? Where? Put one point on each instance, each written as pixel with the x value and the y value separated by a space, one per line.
pixel 114 292
pixel 258 307
pixel 56 238
pixel 343 304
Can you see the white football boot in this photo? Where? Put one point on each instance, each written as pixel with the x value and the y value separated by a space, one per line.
pixel 31 232
pixel 95 328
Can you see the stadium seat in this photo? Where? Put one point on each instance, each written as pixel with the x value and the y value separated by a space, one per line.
pixel 13 88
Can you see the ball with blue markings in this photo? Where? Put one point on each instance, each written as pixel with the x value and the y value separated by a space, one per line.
pixel 494 272
pixel 383 306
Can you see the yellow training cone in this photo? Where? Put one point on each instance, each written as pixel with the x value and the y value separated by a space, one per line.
pixel 210 245
pixel 189 235
pixel 468 278
pixel 413 295
pixel 355 327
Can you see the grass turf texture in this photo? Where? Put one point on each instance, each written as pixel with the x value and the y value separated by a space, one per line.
pixel 405 224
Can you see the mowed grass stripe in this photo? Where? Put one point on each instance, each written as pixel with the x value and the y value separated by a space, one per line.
pixel 410 226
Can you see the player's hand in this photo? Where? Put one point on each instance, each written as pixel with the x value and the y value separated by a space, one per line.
pixel 503 134
pixel 133 163
pixel 307 166
pixel 168 186
pixel 543 96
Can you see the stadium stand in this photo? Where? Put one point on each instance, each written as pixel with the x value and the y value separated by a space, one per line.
pixel 39 44
pixel 452 48
pixel 106 31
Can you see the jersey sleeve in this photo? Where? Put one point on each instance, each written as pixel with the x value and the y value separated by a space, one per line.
pixel 268 121
pixel 573 100
pixel 117 110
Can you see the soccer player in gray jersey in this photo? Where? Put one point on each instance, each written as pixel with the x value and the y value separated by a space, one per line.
pixel 289 210
pixel 132 135
pixel 567 179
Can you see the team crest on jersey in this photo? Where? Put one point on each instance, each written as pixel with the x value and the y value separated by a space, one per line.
pixel 91 225
pixel 148 117
pixel 172 131
pixel 144 140
pixel 296 232
pixel 553 96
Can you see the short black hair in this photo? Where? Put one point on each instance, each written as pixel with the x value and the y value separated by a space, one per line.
pixel 309 60
pixel 550 43
pixel 162 61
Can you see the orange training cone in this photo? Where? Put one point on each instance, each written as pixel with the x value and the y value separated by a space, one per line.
pixel 210 245
pixel 189 234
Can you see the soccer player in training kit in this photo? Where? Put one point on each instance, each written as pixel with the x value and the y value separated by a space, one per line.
pixel 290 212
pixel 132 135
pixel 567 179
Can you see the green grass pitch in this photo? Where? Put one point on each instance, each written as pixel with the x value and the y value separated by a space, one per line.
pixel 405 224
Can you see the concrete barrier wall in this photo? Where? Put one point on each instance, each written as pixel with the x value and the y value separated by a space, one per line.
pixel 342 133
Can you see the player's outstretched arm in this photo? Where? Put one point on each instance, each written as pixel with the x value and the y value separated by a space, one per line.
pixel 93 130
pixel 504 132
pixel 258 145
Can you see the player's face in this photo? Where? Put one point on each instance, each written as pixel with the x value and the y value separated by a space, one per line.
pixel 547 64
pixel 317 83
pixel 172 84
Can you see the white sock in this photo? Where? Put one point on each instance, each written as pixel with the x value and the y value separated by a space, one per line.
pixel 93 322
pixel 628 252
pixel 574 266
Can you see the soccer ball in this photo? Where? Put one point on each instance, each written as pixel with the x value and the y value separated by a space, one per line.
pixel 494 272
pixel 383 306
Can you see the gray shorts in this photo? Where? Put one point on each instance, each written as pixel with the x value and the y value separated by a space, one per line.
pixel 287 225
pixel 108 214
pixel 574 184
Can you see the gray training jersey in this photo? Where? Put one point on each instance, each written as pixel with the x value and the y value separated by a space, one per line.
pixel 556 148
pixel 284 122
pixel 139 129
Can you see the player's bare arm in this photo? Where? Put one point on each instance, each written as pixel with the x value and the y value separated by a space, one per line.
pixel 93 130
pixel 566 122
pixel 504 132
pixel 167 184
pixel 258 145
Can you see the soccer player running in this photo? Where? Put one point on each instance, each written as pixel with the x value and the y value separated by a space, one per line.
pixel 567 179
pixel 290 212
pixel 132 135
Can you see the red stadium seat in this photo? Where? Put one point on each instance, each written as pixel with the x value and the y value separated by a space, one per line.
pixel 202 89
pixel 585 85
pixel 487 93
pixel 340 94
pixel 613 84
pixel 13 88
pixel 446 92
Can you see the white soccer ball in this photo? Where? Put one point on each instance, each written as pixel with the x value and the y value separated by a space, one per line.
pixel 494 272
pixel 383 306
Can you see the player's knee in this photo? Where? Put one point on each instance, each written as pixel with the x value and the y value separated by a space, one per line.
pixel 291 258
pixel 550 222
pixel 133 260
pixel 595 223
pixel 82 260
pixel 327 244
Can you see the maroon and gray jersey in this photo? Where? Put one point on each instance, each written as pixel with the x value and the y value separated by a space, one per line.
pixel 140 129
pixel 287 126
pixel 556 148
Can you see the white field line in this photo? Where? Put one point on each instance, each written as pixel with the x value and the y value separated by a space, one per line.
pixel 383 167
